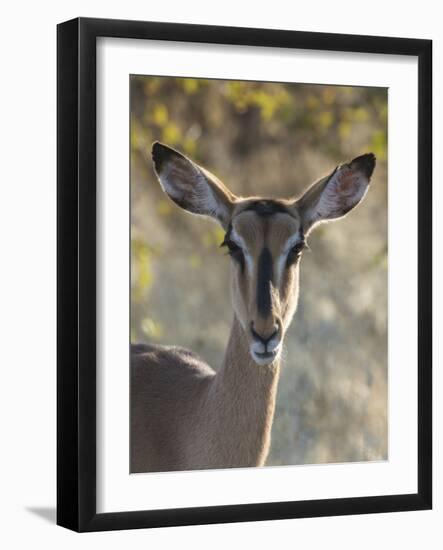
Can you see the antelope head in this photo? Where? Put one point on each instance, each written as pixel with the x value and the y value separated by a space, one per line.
pixel 264 237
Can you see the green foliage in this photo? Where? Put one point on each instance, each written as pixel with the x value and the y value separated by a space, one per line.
pixel 179 110
pixel 142 276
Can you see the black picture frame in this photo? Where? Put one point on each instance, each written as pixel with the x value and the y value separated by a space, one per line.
pixel 76 280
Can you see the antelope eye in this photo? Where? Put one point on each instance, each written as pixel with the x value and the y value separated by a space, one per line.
pixel 233 248
pixel 236 253
pixel 295 252
pixel 298 248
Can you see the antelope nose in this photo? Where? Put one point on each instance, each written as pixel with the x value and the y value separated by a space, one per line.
pixel 263 338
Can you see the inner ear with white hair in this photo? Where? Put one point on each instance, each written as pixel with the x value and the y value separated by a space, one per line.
pixel 334 196
pixel 192 187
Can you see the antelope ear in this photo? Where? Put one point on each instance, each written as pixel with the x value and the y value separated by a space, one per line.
pixel 190 186
pixel 334 196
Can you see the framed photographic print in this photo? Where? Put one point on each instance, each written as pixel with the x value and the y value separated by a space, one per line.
pixel 244 274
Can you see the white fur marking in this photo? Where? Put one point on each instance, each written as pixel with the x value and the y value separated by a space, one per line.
pixel 239 241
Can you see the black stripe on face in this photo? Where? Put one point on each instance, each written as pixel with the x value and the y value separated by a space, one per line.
pixel 266 208
pixel 264 280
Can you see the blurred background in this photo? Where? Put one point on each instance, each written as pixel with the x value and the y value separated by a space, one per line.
pixel 271 139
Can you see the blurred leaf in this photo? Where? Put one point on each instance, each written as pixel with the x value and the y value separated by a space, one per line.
pixel 152 329
pixel 135 134
pixel 142 271
pixel 190 146
pixel 207 239
pixel 379 144
pixel 151 85
pixel 312 102
pixel 360 114
pixel 164 207
pixel 219 234
pixel 325 119
pixel 190 85
pixel 195 260
pixel 160 114
pixel 171 134
pixel 329 95
pixel 213 238
pixel 344 130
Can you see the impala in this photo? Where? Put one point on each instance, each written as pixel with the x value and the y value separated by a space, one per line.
pixel 184 414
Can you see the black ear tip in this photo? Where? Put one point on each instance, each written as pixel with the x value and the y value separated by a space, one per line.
pixel 161 153
pixel 365 163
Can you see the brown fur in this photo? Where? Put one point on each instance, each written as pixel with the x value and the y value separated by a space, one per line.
pixel 182 418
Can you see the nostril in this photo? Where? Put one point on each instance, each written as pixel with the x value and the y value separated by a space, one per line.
pixel 256 335
pixel 264 339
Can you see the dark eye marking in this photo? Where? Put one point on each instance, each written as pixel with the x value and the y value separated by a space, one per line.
pixel 234 250
pixel 295 253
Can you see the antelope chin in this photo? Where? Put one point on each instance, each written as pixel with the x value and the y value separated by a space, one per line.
pixel 265 358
